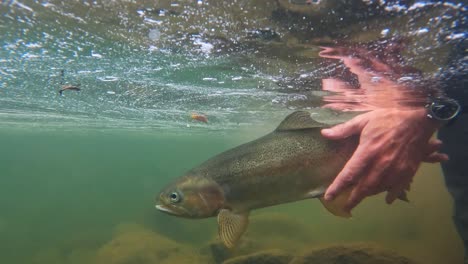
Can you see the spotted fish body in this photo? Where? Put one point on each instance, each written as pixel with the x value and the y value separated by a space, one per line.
pixel 281 167
pixel 292 163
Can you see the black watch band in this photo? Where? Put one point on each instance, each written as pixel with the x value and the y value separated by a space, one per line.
pixel 443 109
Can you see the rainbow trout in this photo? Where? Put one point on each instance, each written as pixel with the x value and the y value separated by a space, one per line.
pixel 292 163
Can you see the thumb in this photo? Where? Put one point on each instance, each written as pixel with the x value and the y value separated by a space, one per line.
pixel 433 145
pixel 349 128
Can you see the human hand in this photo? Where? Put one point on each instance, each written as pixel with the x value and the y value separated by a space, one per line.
pixel 393 143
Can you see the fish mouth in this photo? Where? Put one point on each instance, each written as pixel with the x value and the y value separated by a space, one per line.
pixel 165 209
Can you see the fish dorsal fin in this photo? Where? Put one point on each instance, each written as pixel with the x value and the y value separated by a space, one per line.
pixel 231 226
pixel 298 120
pixel 336 206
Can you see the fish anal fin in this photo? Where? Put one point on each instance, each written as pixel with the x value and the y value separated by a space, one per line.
pixel 336 206
pixel 231 226
pixel 298 120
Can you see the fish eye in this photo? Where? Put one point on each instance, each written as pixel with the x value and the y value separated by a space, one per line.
pixel 174 197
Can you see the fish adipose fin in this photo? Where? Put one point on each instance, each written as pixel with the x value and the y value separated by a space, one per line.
pixel 299 120
pixel 231 226
pixel 336 206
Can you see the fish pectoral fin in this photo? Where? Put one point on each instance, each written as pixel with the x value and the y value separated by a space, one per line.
pixel 336 206
pixel 231 226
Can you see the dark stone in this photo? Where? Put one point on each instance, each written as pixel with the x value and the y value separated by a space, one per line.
pixel 353 254
pixel 219 252
pixel 262 257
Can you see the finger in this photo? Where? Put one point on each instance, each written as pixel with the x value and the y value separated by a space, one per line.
pixel 349 128
pixel 408 186
pixel 436 157
pixel 370 185
pixel 354 199
pixel 350 174
pixel 433 145
pixel 396 191
pixel 391 196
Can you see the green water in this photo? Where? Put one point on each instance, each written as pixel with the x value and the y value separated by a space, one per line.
pixel 70 190
pixel 64 194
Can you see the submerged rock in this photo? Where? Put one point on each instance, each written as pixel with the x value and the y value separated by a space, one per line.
pixel 340 254
pixel 218 252
pixel 134 244
pixel 262 257
pixel 266 231
pixel 351 254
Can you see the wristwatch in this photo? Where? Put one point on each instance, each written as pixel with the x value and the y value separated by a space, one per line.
pixel 443 109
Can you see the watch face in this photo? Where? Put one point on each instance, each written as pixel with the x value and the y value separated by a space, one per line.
pixel 444 109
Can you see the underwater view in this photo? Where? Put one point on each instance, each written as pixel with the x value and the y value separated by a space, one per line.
pixel 105 103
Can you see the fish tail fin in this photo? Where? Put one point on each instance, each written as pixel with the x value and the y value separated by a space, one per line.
pixel 336 206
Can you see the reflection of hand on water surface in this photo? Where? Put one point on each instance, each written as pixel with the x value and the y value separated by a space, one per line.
pixel 376 88
pixel 394 139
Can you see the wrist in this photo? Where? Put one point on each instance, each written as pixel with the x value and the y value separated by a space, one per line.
pixel 417 117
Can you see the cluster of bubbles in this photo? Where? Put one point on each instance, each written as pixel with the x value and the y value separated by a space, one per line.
pixel 155 62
